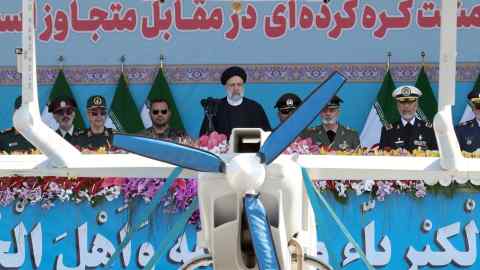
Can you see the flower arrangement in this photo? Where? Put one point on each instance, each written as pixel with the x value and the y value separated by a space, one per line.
pixel 48 190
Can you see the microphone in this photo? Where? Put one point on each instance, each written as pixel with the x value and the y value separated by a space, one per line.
pixel 208 102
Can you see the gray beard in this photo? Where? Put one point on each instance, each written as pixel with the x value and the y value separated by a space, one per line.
pixel 329 121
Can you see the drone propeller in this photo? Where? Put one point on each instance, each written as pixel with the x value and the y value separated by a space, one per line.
pixel 286 133
pixel 170 152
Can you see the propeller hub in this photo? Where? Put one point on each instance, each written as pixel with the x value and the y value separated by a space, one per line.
pixel 245 173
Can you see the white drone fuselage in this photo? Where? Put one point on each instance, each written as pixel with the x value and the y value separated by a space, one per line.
pixel 282 193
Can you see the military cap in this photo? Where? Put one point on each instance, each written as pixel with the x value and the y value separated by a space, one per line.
pixel 18 102
pixel 406 93
pixel 96 101
pixel 334 102
pixel 288 101
pixel 474 95
pixel 61 103
pixel 233 71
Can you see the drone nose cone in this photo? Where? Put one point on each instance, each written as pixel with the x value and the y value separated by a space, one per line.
pixel 245 173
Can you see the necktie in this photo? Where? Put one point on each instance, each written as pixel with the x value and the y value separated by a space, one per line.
pixel 331 135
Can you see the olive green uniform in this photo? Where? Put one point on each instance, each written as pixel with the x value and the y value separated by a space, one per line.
pixel 345 138
pixel 87 139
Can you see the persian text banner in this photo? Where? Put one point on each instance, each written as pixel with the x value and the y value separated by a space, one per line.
pixel 89 32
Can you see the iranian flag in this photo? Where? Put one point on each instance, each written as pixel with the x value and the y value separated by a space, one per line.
pixel 427 106
pixel 123 113
pixel 384 111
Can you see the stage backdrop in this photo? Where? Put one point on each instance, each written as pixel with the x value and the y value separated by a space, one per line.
pixel 285 46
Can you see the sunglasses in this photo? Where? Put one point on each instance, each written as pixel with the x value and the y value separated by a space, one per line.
pixel 155 112
pixel 97 113
pixel 68 111
pixel 286 111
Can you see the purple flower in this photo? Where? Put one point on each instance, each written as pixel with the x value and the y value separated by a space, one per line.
pixel 384 188
pixel 420 189
pixel 6 197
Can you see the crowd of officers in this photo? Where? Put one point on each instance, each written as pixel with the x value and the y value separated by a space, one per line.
pixel 234 110
pixel 97 135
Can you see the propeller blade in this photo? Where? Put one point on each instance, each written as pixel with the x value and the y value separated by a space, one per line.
pixel 286 132
pixel 170 152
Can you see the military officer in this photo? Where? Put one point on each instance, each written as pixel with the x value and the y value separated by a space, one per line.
pixel 11 140
pixel 63 109
pixel 409 132
pixel 331 133
pixel 160 115
pixel 97 135
pixel 468 133
pixel 286 105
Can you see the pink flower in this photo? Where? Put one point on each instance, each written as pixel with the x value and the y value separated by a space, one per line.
pixel 112 181
pixel 203 141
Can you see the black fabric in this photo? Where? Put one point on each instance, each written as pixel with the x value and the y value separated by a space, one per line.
pixel 248 114
pixel 468 134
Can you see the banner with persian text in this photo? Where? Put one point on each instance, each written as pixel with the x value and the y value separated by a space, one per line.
pixel 90 32
pixel 401 232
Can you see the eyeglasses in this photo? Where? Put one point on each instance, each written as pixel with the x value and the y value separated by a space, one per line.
pixel 67 111
pixel 286 111
pixel 97 113
pixel 155 112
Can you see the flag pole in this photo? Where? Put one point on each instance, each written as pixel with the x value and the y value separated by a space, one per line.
pixel 61 60
pixel 423 54
pixel 122 61
pixel 162 61
pixel 389 56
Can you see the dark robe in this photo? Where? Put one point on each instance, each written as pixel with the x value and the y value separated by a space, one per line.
pixel 249 114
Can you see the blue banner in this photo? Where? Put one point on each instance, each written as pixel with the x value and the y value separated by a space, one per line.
pixel 399 233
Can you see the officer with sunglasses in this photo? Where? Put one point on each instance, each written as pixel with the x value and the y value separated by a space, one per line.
pixel 286 105
pixel 331 134
pixel 97 135
pixel 160 115
pixel 11 140
pixel 409 132
pixel 468 133
pixel 63 109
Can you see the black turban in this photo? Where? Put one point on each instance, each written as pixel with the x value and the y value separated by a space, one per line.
pixel 233 71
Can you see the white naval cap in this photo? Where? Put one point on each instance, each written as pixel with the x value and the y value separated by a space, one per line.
pixel 406 93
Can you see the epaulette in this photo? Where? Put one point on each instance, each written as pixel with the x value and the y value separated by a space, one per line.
pixel 428 125
pixel 79 132
pixel 350 129
pixel 388 126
